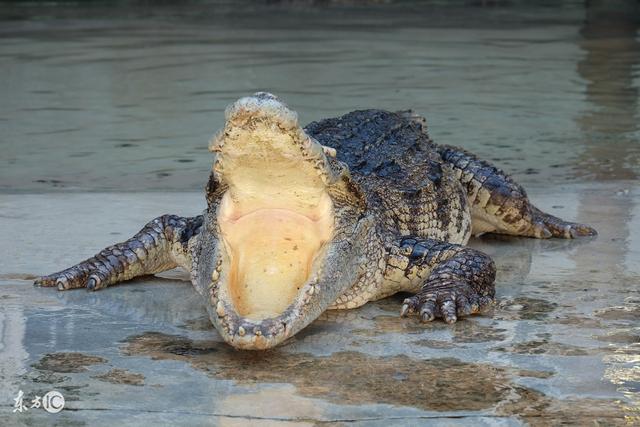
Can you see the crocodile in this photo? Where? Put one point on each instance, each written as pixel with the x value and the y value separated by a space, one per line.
pixel 330 216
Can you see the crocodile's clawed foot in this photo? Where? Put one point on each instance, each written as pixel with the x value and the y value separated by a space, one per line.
pixel 447 301
pixel 580 230
pixel 60 281
pixel 78 276
pixel 45 281
pixel 546 226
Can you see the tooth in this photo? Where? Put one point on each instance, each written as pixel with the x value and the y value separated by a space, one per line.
pixel 215 275
pixel 329 151
pixel 241 331
pixel 220 309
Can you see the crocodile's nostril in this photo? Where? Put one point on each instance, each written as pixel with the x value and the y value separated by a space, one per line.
pixel 266 95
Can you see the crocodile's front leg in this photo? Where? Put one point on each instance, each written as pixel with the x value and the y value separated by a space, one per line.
pixel 453 280
pixel 162 244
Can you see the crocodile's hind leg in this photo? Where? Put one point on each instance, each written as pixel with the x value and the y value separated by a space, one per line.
pixel 499 205
pixel 163 244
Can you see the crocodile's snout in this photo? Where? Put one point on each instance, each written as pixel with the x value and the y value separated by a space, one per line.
pixel 262 105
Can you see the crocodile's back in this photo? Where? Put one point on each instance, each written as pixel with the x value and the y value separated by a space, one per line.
pixel 407 184
pixel 394 147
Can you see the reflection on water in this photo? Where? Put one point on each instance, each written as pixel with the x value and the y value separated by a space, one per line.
pixel 610 124
pixel 611 151
pixel 128 101
pixel 13 354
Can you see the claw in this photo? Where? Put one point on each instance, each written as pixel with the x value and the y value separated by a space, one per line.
pixel 63 283
pixel 428 311
pixel 448 310
pixel 463 308
pixel 404 311
pixel 94 283
pixel 44 281
pixel 426 316
pixel 450 318
pixel 582 231
pixel 541 231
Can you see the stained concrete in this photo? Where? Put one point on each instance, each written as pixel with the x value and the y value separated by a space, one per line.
pixel 561 345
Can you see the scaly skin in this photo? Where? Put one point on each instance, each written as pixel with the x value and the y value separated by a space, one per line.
pixel 499 205
pixel 460 280
pixel 402 207
pixel 163 244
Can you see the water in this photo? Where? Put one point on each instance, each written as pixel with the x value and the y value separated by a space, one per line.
pixel 96 97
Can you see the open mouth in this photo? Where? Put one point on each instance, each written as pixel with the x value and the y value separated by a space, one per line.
pixel 276 219
pixel 271 243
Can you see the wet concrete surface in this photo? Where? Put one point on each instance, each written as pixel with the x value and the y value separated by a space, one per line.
pixel 562 345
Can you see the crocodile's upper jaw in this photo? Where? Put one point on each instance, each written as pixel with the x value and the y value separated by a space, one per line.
pixel 276 223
